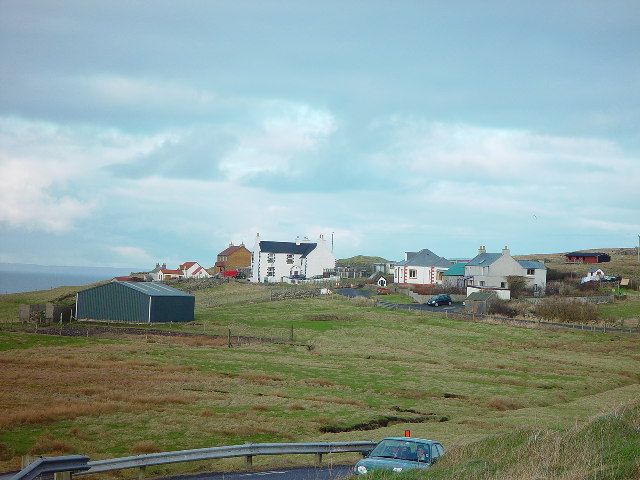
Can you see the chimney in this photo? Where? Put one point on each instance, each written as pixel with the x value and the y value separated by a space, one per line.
pixel 231 244
pixel 164 265
pixel 298 240
pixel 482 250
pixel 157 264
pixel 505 250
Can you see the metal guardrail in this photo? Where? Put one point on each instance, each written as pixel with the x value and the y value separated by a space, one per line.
pixel 69 463
pixel 80 465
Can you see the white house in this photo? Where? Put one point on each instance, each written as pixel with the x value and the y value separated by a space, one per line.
pixel 277 261
pixel 492 270
pixel 185 270
pixel 421 268
pixel 193 270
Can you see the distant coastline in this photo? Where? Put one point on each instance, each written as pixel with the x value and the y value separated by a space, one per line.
pixel 16 278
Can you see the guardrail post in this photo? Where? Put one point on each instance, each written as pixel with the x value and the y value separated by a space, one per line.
pixel 319 458
pixel 141 472
pixel 249 460
pixel 62 476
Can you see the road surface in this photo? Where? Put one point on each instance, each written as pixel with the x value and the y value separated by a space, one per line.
pixel 335 472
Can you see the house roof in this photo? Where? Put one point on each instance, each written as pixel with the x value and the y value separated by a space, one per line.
pixel 156 289
pixel 585 254
pixel 197 270
pixel 484 259
pixel 171 272
pixel 425 258
pixel 231 249
pixel 532 264
pixel 480 296
pixel 303 249
pixel 457 269
pixel 187 265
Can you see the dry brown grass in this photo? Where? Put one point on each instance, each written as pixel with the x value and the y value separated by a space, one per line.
pixel 296 406
pixel 46 444
pixel 145 446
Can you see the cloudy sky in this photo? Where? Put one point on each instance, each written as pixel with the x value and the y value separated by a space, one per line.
pixel 132 132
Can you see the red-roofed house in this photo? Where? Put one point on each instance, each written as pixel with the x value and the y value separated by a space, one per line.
pixel 233 257
pixel 193 270
pixel 169 274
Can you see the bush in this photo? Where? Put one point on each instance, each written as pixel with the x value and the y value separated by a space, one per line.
pixel 502 307
pixel 554 275
pixel 437 289
pixel 569 311
pixel 517 284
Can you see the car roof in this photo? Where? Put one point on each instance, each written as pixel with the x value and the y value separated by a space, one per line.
pixel 410 439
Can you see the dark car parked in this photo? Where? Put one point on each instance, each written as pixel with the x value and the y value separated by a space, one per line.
pixel 437 300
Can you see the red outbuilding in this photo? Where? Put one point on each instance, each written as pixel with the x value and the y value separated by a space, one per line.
pixel 586 257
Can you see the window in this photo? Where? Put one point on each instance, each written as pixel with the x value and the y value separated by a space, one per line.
pixel 531 271
pixel 271 271
pixel 271 257
pixel 289 257
pixel 413 273
pixel 482 283
pixel 503 284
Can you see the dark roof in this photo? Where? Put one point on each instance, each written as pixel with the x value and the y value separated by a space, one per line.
pixel 425 258
pixel 456 270
pixel 484 259
pixel 153 289
pixel 303 249
pixel 156 289
pixel 480 296
pixel 532 264
pixel 586 254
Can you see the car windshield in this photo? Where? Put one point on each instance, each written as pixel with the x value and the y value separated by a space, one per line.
pixel 402 450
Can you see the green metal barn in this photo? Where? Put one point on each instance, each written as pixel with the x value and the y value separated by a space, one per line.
pixel 135 302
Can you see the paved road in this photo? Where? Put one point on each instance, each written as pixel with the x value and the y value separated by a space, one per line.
pixel 322 473
pixel 456 307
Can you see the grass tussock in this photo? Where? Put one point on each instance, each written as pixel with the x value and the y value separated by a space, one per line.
pixel 145 446
pixel 47 444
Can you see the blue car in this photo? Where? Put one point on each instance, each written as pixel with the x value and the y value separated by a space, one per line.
pixel 398 454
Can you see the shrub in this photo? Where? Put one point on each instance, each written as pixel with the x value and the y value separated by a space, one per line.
pixel 517 284
pixel 569 311
pixel 556 275
pixel 46 444
pixel 502 307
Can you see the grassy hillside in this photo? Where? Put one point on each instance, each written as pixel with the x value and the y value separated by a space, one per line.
pixel 624 262
pixel 360 261
pixel 455 381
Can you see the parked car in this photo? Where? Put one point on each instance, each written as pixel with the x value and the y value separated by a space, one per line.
pixel 241 275
pixel 398 454
pixel 437 300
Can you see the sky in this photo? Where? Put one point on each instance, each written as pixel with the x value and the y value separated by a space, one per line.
pixel 138 132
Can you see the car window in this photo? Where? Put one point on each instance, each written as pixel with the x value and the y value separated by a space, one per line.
pixel 440 449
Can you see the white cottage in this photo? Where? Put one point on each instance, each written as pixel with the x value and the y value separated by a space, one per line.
pixel 276 261
pixel 421 268
pixel 492 269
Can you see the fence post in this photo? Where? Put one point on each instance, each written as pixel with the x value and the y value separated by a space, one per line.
pixel 318 458
pixel 249 460
pixel 292 333
pixel 229 338
pixel 141 472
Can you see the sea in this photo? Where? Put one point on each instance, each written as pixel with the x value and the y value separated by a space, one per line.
pixel 16 277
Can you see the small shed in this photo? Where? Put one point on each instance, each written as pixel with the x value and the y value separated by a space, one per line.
pixel 135 302
pixel 454 276
pixel 380 279
pixel 478 302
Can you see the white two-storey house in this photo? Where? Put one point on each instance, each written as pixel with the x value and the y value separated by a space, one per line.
pixel 492 270
pixel 278 261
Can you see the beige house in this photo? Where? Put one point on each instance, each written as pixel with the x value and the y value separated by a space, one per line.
pixel 492 270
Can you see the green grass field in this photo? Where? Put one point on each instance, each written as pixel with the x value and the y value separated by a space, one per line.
pixel 459 382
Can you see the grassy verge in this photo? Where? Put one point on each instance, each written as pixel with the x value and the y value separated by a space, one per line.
pixel 606 446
